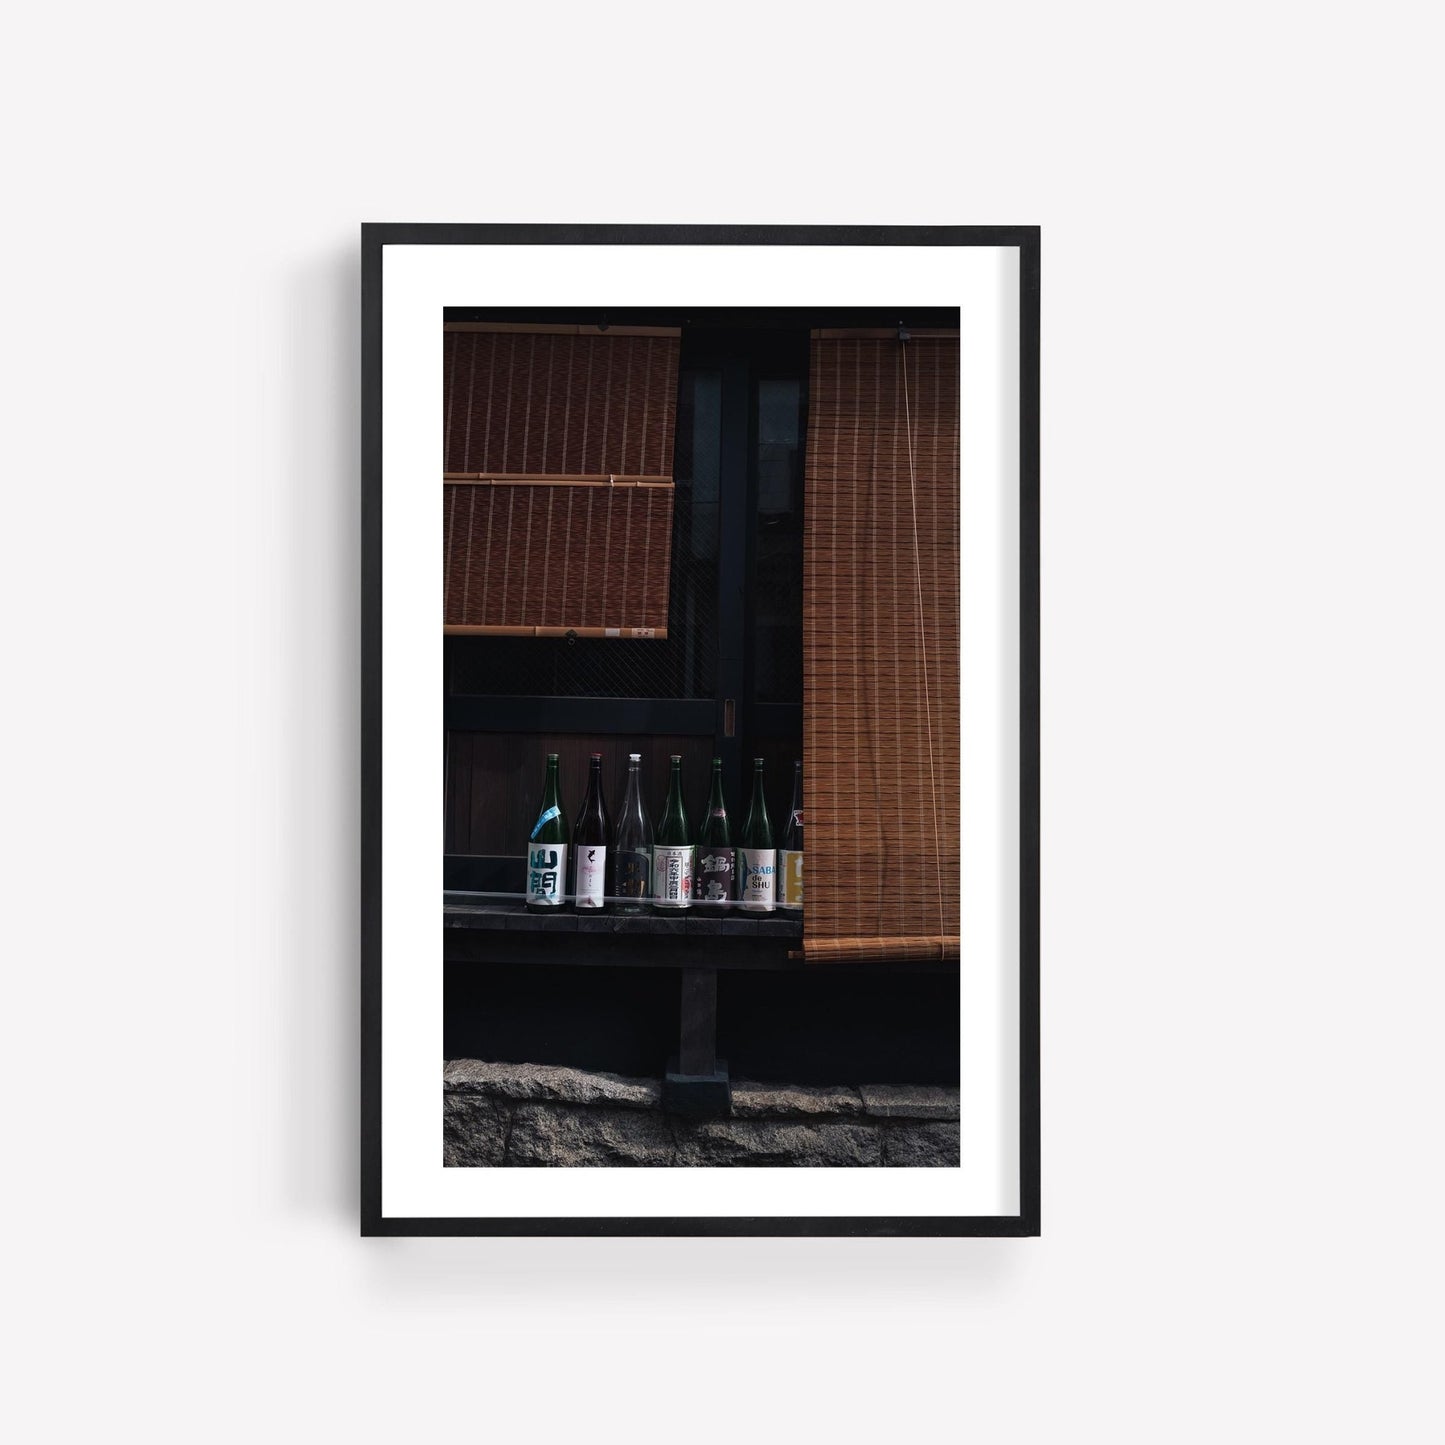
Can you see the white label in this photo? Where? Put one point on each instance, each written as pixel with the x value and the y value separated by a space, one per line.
pixel 546 873
pixel 672 875
pixel 591 875
pixel 757 872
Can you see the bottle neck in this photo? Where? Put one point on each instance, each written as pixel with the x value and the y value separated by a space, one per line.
pixel 633 796
pixel 758 788
pixel 674 814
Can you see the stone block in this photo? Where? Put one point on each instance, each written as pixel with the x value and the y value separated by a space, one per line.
pixel 921 1146
pixel 550 1082
pixel 753 1100
pixel 909 1101
pixel 764 1143
pixel 474 1129
pixel 559 1136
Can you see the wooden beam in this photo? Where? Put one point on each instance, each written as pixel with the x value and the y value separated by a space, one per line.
pixel 542 328
pixel 541 479
pixel 470 629
pixel 882 333
pixel 698 1055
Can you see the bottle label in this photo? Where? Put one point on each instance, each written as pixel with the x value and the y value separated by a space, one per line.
pixel 634 873
pixel 546 874
pixel 672 870
pixel 553 812
pixel 591 875
pixel 757 871
pixel 714 875
pixel 790 878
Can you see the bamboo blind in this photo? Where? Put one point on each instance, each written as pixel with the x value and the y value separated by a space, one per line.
pixel 544 557
pixel 543 404
pixel 557 490
pixel 881 649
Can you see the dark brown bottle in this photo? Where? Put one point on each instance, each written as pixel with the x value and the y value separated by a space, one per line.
pixel 589 843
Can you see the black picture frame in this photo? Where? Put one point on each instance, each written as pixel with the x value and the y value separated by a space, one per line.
pixel 374 238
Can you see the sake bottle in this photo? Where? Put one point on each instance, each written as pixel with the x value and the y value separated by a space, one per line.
pixel 589 842
pixel 757 858
pixel 715 856
pixel 672 854
pixel 632 845
pixel 547 847
pixel 790 855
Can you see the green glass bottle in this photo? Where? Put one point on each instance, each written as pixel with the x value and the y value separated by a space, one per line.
pixel 547 847
pixel 716 859
pixel 757 858
pixel 672 853
pixel 790 855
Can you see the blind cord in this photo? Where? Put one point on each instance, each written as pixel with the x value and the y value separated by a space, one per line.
pixel 922 630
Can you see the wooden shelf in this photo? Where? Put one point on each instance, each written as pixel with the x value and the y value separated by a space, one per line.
pixel 480 932
pixel 516 918
pixel 508 933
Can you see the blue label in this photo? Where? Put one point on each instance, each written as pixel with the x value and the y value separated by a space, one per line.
pixel 553 812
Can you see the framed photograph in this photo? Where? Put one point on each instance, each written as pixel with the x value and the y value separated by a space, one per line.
pixel 700 730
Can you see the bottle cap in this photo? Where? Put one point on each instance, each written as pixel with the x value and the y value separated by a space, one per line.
pixel 634 757
pixel 596 757
pixel 757 762
pixel 677 757
pixel 551 757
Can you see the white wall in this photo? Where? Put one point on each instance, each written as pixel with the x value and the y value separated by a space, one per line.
pixel 1243 718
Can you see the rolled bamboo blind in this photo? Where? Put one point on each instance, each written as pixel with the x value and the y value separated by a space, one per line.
pixel 881 649
pixel 557 491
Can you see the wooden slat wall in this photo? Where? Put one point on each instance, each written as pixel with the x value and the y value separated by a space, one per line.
pixel 881 649
pixel 493 781
pixel 557 509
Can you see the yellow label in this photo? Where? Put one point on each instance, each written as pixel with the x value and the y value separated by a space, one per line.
pixel 790 875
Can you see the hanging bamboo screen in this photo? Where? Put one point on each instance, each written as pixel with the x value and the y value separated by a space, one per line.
pixel 558 490
pixel 881 648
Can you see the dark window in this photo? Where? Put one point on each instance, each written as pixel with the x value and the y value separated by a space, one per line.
pixel 776 624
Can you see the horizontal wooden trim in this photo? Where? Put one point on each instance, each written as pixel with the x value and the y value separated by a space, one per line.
pixel 882 333
pixel 911 947
pixel 459 629
pixel 610 942
pixel 619 716
pixel 542 328
pixel 538 479
pixel 592 943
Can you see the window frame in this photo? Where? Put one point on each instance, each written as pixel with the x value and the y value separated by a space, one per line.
pixel 745 348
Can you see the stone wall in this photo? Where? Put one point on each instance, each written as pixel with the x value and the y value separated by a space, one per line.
pixel 538 1114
